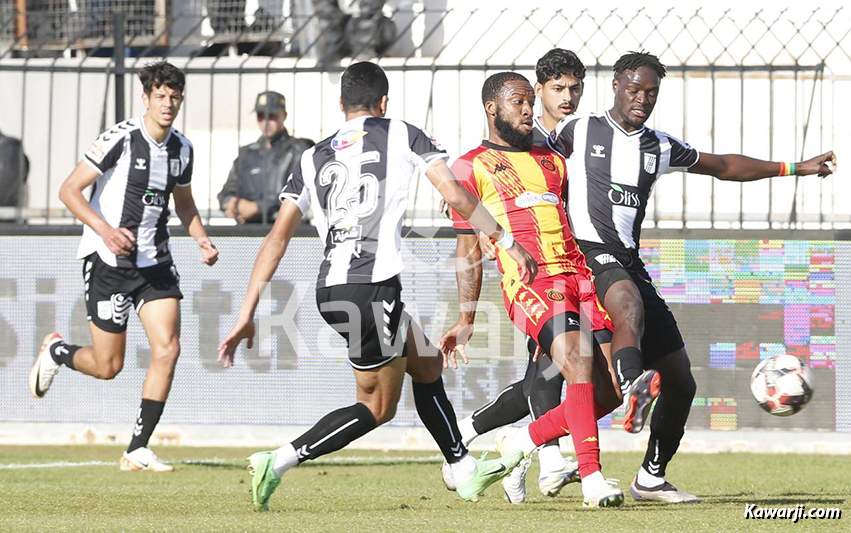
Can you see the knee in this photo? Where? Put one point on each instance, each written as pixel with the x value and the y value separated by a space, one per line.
pixel 166 355
pixel 110 368
pixel 383 412
pixel 682 389
pixel 631 315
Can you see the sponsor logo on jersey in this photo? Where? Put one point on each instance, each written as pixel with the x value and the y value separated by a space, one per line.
pixel 346 139
pixel 620 196
pixel 555 295
pixel 650 163
pixel 529 199
pixel 174 167
pixel 550 198
pixel 141 164
pixel 548 165
pixel 154 198
pixel 605 259
pixel 499 168
pixel 598 151
pixel 341 235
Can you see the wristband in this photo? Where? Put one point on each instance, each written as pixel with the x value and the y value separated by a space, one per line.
pixel 506 240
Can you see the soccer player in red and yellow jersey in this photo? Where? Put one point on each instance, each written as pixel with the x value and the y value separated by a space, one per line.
pixel 522 187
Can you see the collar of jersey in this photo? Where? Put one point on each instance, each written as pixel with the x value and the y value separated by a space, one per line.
pixel 614 123
pixel 540 126
pixel 151 139
pixel 487 144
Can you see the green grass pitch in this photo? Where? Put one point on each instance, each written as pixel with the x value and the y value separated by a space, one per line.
pixel 394 492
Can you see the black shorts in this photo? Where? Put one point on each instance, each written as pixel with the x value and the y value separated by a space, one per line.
pixel 611 264
pixel 370 317
pixel 112 291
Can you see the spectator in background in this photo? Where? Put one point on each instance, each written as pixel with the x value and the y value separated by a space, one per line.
pixel 369 34
pixel 261 169
pixel 14 167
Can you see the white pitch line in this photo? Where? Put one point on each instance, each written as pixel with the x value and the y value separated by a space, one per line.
pixel 217 460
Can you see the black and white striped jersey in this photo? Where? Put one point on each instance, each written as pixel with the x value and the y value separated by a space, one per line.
pixel 357 182
pixel 611 173
pixel 539 133
pixel 133 191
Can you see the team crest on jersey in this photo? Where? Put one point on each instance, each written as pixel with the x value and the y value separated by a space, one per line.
pixel 174 167
pixel 548 165
pixel 650 163
pixel 555 295
pixel 346 139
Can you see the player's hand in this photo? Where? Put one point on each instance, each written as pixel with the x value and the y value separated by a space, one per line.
pixel 244 329
pixel 445 209
pixel 229 207
pixel 453 342
pixel 528 265
pixel 209 252
pixel 120 241
pixel 823 165
pixel 487 245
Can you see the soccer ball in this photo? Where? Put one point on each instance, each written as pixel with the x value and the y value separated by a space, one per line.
pixel 782 385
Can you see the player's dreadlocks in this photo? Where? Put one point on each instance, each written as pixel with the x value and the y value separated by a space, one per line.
pixel 634 60
pixel 494 84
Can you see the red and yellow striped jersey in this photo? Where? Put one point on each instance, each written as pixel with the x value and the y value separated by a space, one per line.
pixel 523 191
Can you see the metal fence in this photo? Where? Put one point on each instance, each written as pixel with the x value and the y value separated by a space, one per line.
pixel 766 82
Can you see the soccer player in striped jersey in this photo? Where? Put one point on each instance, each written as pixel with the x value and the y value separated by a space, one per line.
pixel 357 182
pixel 133 168
pixel 613 161
pixel 522 186
pixel 560 81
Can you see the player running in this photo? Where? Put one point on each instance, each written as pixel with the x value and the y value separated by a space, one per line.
pixel 613 162
pixel 522 186
pixel 134 167
pixel 357 182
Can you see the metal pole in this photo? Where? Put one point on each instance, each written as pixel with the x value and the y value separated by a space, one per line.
pixel 118 58
pixel 20 11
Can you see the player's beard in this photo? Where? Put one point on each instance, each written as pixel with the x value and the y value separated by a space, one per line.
pixel 511 135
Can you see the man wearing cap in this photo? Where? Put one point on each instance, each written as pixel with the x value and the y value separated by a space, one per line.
pixel 250 194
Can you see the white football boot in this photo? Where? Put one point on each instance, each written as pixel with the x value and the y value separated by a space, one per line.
pixel 143 459
pixel 44 368
pixel 663 493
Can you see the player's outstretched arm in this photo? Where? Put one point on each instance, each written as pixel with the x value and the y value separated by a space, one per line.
pixel 468 273
pixel 270 255
pixel 120 241
pixel 187 212
pixel 732 167
pixel 469 207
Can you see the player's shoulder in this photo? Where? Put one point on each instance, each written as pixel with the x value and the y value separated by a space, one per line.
pixel 120 130
pixel 663 137
pixel 473 154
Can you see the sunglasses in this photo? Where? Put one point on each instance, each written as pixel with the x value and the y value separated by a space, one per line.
pixel 261 116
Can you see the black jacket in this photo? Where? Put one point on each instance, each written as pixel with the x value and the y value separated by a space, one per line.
pixel 14 167
pixel 259 173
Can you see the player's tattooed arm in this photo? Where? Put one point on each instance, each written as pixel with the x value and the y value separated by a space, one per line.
pixel 468 272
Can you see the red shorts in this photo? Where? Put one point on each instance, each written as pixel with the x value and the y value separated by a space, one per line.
pixel 532 306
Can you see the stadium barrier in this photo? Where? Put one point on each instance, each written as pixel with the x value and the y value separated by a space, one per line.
pixel 737 301
pixel 768 83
